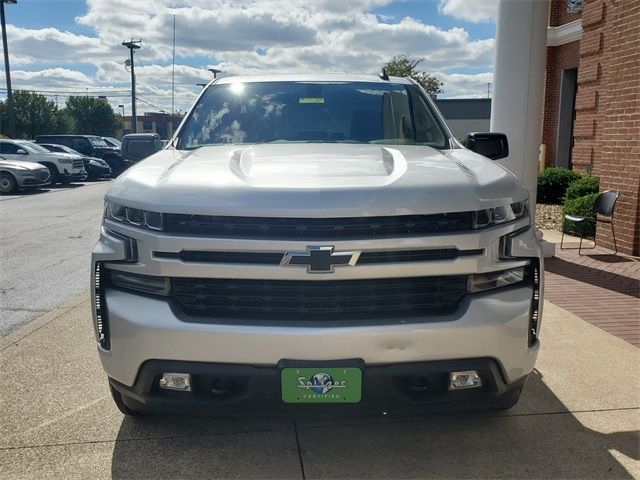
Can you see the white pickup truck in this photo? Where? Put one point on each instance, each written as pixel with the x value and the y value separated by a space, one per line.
pixel 63 167
pixel 317 244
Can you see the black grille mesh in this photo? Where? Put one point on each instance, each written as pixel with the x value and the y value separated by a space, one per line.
pixel 334 300
pixel 317 228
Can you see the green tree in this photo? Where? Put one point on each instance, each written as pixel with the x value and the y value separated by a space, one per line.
pixel 403 66
pixel 92 116
pixel 35 115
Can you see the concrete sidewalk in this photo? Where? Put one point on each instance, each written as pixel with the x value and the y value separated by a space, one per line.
pixel 579 417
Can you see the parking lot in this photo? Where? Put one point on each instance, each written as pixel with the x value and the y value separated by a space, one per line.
pixel 578 418
pixel 45 239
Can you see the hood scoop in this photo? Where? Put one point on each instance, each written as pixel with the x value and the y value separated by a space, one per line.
pixel 314 165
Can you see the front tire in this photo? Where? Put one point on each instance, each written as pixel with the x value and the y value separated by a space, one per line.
pixel 117 399
pixel 8 184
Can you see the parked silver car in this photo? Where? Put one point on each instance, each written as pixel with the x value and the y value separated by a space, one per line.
pixel 16 175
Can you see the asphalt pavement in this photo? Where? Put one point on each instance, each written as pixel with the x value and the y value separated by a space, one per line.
pixel 46 237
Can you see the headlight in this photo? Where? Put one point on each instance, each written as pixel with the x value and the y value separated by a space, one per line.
pixel 501 214
pixel 94 163
pixel 142 283
pixel 133 216
pixel 480 282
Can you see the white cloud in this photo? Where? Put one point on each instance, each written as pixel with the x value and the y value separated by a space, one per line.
pixel 460 85
pixel 474 11
pixel 241 37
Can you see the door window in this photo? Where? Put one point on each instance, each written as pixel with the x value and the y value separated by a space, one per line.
pixel 10 148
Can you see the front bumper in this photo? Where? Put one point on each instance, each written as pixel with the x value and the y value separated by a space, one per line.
pixel 30 181
pixel 493 324
pixel 78 175
pixel 97 171
pixel 254 390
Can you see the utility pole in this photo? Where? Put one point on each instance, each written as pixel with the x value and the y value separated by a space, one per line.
pixel 173 68
pixel 133 45
pixel 10 107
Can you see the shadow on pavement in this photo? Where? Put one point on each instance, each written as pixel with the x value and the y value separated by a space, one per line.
pixel 600 278
pixel 536 439
pixel 610 258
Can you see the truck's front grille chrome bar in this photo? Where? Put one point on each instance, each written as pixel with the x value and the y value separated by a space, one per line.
pixel 274 258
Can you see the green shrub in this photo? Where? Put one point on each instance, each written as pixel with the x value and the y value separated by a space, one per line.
pixel 583 186
pixel 553 183
pixel 581 206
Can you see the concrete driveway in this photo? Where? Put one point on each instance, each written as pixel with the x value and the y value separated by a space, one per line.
pixel 579 418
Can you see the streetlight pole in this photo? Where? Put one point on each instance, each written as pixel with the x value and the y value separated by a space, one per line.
pixel 133 45
pixel 122 107
pixel 11 111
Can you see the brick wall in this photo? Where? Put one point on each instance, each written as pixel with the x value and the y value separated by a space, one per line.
pixel 559 58
pixel 558 14
pixel 607 125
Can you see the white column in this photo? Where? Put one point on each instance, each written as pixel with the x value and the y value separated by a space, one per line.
pixel 518 79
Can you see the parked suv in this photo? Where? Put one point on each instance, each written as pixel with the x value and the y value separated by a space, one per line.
pixel 95 167
pixel 91 146
pixel 63 168
pixel 316 244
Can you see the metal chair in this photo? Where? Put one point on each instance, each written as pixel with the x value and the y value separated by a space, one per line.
pixel 603 209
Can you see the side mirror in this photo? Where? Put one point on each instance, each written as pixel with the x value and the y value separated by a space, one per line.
pixel 21 151
pixel 136 146
pixel 491 145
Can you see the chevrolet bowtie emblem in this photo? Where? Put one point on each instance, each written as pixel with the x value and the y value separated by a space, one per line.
pixel 319 259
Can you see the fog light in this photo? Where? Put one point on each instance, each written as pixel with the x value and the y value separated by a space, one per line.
pixel 176 381
pixel 468 379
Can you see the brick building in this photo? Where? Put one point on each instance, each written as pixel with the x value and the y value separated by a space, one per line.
pixel 154 122
pixel 591 117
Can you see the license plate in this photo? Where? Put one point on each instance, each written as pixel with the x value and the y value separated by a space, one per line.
pixel 321 385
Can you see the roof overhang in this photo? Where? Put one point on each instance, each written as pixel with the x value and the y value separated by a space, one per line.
pixel 567 33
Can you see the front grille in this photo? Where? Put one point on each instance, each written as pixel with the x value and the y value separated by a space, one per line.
pixel 78 163
pixel 329 301
pixel 274 258
pixel 317 228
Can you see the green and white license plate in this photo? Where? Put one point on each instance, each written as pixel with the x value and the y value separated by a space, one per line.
pixel 321 385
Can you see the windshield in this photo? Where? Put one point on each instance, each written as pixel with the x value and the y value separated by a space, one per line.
pixel 340 112
pixel 32 147
pixel 64 148
pixel 113 141
pixel 98 142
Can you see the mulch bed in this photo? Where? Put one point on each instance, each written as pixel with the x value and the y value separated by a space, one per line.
pixel 549 216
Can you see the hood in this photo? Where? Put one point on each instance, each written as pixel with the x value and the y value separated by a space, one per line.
pixel 73 156
pixel 316 180
pixel 21 164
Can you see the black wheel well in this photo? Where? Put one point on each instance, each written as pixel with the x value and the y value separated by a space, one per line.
pixel 7 172
pixel 50 165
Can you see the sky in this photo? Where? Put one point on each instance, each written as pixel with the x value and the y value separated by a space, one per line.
pixel 64 47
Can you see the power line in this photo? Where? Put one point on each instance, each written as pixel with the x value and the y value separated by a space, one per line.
pixel 151 103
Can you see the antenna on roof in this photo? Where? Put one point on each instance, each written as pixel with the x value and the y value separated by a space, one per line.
pixel 383 74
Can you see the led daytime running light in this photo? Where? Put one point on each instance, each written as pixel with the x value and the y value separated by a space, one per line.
pixel 502 214
pixel 133 216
